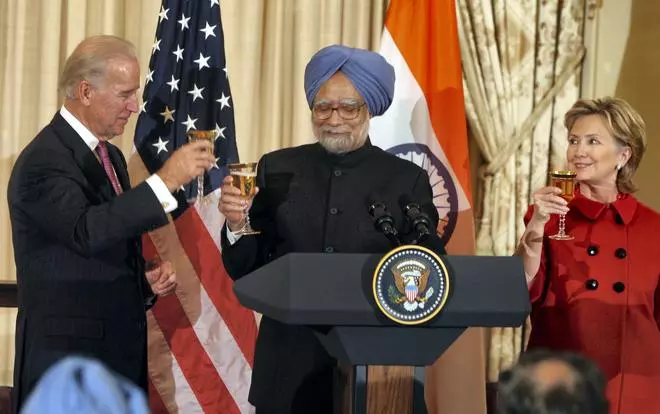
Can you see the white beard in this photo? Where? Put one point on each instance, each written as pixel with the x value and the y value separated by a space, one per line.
pixel 345 143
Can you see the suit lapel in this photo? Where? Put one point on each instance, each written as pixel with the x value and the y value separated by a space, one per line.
pixel 120 167
pixel 84 157
pixel 119 164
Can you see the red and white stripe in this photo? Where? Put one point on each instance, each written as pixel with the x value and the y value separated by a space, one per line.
pixel 201 340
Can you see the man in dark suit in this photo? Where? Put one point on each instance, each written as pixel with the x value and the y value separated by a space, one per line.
pixel 315 198
pixel 76 224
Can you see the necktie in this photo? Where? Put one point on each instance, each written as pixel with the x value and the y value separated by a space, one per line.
pixel 102 150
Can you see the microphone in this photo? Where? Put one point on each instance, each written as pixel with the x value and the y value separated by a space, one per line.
pixel 419 220
pixel 383 221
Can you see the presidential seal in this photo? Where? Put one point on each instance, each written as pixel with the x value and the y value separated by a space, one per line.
pixel 411 285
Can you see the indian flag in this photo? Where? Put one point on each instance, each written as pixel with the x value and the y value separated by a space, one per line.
pixel 426 124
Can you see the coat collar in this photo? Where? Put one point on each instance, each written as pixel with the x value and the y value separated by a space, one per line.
pixel 85 158
pixel 92 142
pixel 349 159
pixel 625 205
pixel 85 134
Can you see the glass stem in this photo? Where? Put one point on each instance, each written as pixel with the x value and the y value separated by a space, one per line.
pixel 247 219
pixel 200 189
pixel 562 224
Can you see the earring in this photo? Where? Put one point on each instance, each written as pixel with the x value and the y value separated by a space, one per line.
pixel 619 166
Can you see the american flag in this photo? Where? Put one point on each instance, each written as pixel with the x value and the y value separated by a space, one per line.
pixel 201 341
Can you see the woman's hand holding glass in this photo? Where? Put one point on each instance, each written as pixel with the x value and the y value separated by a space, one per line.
pixel 547 201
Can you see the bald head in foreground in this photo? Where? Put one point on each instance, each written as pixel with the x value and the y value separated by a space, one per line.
pixel 545 382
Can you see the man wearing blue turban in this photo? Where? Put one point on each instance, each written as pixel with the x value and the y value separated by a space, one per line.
pixel 315 198
pixel 369 72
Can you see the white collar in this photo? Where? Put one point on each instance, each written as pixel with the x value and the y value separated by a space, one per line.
pixel 90 140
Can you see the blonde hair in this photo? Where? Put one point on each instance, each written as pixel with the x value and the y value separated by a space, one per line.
pixel 626 126
pixel 89 61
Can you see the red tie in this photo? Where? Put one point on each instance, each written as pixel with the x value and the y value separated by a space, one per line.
pixel 102 150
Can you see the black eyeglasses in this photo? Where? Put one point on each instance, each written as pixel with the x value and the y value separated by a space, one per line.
pixel 345 110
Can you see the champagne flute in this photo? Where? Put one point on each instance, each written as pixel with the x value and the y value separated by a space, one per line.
pixel 201 135
pixel 244 177
pixel 564 180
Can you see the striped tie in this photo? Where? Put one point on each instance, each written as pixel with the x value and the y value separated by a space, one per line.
pixel 102 150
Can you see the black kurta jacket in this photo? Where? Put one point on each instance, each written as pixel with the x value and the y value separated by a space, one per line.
pixel 314 201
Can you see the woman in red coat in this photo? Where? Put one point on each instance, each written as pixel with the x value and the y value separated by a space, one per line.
pixel 599 294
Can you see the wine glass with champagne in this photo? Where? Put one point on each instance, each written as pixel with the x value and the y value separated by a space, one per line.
pixel 564 180
pixel 201 135
pixel 244 177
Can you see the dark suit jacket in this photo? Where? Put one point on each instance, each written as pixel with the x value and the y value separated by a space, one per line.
pixel 81 284
pixel 313 201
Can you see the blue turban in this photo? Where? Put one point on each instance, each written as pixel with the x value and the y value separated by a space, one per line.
pixel 369 72
pixel 80 385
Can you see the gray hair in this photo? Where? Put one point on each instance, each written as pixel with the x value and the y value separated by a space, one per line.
pixel 89 61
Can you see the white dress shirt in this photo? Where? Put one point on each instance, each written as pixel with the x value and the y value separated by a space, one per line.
pixel 232 237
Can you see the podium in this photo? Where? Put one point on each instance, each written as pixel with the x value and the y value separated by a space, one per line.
pixel 332 294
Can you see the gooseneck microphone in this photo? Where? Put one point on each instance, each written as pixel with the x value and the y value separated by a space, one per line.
pixel 419 221
pixel 383 221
